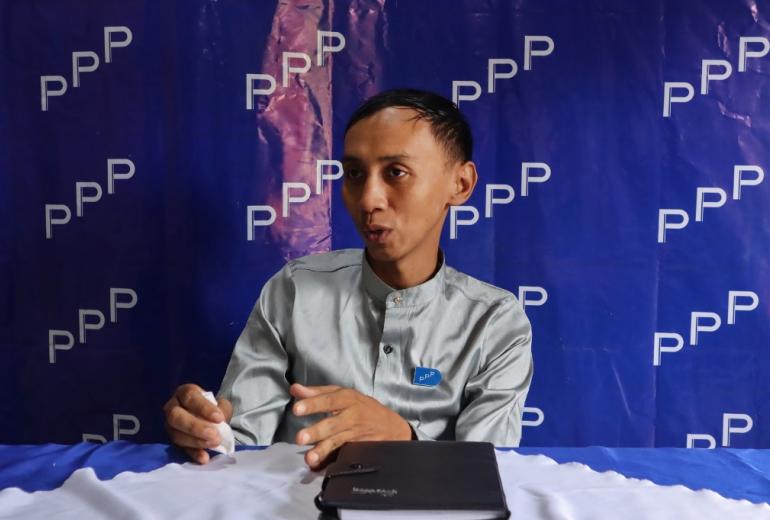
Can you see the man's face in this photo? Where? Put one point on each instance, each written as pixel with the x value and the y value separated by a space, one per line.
pixel 397 185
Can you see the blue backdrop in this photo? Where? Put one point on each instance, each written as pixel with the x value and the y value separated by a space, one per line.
pixel 622 149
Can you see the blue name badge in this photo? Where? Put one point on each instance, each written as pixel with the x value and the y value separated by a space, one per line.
pixel 424 376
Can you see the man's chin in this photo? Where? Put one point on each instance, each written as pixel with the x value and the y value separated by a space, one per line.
pixel 380 253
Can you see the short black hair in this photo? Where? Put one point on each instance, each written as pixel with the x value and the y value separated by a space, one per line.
pixel 448 124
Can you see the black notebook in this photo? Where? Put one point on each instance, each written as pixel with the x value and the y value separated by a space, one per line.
pixel 414 479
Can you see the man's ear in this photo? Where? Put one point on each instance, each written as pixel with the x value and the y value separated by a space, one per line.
pixel 464 181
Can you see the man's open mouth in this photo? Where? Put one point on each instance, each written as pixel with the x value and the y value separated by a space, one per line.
pixel 376 235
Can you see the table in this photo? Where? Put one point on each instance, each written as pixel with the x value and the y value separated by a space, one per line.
pixel 732 473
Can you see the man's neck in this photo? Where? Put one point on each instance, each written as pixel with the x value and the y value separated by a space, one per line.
pixel 402 275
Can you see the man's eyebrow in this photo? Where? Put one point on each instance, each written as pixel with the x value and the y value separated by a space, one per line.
pixel 381 158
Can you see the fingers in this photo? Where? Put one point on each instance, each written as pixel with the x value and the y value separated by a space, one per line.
pixel 323 429
pixel 355 417
pixel 197 455
pixel 180 419
pixel 185 440
pixel 191 399
pixel 318 456
pixel 326 402
pixel 186 419
pixel 189 418
pixel 299 391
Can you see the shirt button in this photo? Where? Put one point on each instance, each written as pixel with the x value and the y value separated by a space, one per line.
pixel 397 299
pixel 387 349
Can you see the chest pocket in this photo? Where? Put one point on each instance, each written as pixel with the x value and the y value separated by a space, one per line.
pixel 430 395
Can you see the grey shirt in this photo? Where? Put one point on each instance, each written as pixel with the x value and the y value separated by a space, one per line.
pixel 329 319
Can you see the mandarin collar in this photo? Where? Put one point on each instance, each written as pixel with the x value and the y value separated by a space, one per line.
pixel 389 297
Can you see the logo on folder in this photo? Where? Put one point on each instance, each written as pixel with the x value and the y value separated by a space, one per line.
pixel 424 376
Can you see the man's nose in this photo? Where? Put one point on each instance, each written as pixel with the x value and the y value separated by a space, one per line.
pixel 373 194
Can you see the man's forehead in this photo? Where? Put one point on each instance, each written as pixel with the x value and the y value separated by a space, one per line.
pixel 391 134
pixel 349 157
pixel 405 115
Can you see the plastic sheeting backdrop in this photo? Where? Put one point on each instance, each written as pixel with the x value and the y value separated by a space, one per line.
pixel 633 135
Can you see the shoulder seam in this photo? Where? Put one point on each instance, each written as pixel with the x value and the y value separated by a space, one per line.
pixel 295 267
pixel 299 265
pixel 505 293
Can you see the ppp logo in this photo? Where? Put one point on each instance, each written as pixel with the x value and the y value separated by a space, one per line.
pixel 492 197
pixel 665 220
pixel 292 193
pixel 289 65
pixel 683 92
pixel 90 319
pixel 87 191
pixel 77 66
pixel 494 64
pixel 712 323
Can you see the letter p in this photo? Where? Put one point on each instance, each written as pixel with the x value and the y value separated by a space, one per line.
pixel 118 430
pixel 669 98
pixel 728 429
pixel 320 176
pixel 115 304
pixel 53 345
pixel 50 221
pixel 733 306
pixel 493 74
pixel 664 224
pixel 531 302
pixel 696 327
pixel 659 348
pixel 288 199
pixel 113 174
pixel 537 412
pixel 457 96
pixel 739 181
pixel 251 222
pixel 45 92
pixel 84 325
pixel 527 178
pixel 110 44
pixel 454 221
pixel 322 47
pixel 529 52
pixel 701 203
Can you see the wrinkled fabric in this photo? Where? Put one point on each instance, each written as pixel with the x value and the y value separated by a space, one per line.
pixel 276 483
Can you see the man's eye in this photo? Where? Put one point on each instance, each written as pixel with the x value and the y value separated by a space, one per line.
pixel 352 173
pixel 397 172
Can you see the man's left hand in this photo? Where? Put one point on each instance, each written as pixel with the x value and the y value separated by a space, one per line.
pixel 354 417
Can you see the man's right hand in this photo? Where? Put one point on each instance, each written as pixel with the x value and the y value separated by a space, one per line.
pixel 190 420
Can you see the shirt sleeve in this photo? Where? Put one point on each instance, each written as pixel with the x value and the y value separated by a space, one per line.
pixel 495 396
pixel 256 378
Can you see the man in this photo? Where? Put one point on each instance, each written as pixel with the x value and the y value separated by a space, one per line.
pixel 382 344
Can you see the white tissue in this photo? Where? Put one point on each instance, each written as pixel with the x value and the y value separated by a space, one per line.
pixel 225 432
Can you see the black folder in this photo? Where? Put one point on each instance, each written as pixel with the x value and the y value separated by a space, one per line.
pixel 414 478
